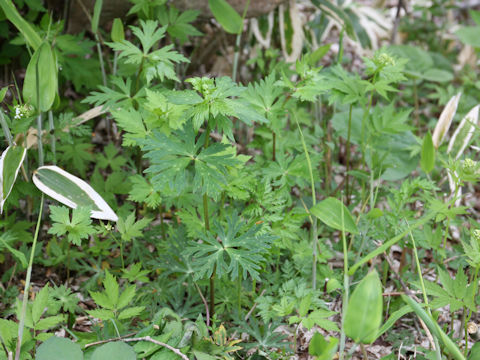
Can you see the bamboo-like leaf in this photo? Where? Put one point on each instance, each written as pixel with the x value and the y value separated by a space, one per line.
pixel 71 191
pixel 463 133
pixel 330 212
pixel 118 33
pixel 43 62
pixel 364 312
pixel 427 160
pixel 445 120
pixel 230 20
pixel 10 163
pixel 12 14
pixel 97 10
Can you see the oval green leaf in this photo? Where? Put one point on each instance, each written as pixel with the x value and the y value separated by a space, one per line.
pixel 43 62
pixel 115 350
pixel 97 10
pixel 364 312
pixel 57 348
pixel 10 163
pixel 330 212
pixel 427 160
pixel 230 20
pixel 118 33
pixel 71 191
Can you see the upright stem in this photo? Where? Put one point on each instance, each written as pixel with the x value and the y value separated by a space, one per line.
pixel 237 45
pixel 100 58
pixel 27 285
pixel 314 201
pixel 345 289
pixel 347 150
pixel 51 130
pixel 274 141
pixel 207 228
pixel 39 139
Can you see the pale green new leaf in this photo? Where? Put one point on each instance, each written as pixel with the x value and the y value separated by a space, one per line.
pixel 42 62
pixel 330 212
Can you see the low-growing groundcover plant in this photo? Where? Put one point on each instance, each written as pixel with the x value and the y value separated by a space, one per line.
pixel 313 208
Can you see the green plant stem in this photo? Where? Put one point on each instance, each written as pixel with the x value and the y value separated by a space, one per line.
pixel 239 294
pixel 274 141
pixel 51 130
pixel 207 228
pixel 6 130
pixel 314 201
pixel 424 291
pixel 237 45
pixel 364 351
pixel 100 58
pixel 27 284
pixel 39 140
pixel 347 150
pixel 474 283
pixel 346 287
pixel 115 63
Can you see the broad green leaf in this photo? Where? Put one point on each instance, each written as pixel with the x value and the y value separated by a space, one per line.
pixel 469 35
pixel 114 350
pixel 31 36
pixel 474 352
pixel 364 313
pixel 230 20
pixel 10 163
pixel 322 348
pixel 330 212
pixel 97 10
pixel 42 62
pixel 463 133
pixel 71 191
pixel 427 160
pixel 437 75
pixel 57 348
pixel 118 33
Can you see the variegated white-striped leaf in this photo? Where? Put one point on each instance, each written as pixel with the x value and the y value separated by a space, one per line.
pixel 71 191
pixel 445 120
pixel 10 163
pixel 464 132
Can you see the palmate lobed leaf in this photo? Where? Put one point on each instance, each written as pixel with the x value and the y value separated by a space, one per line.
pixel 234 253
pixel 175 160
